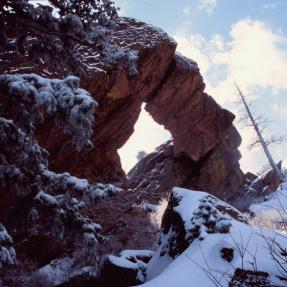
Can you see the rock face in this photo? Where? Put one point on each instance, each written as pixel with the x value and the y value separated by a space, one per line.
pixel 203 154
pixel 159 171
pixel 195 120
pixel 173 90
pixel 267 182
pixel 119 95
pixel 256 189
pixel 218 172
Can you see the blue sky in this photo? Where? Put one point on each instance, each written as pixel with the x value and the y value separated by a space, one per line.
pixel 218 18
pixel 232 40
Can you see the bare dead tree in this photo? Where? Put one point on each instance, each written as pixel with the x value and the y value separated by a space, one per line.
pixel 259 125
pixel 278 252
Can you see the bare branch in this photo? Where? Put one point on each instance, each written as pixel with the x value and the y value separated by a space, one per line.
pixel 260 125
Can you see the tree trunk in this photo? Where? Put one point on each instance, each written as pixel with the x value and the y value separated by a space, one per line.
pixel 260 137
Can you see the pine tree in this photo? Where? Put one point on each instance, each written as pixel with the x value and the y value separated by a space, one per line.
pixel 45 197
pixel 58 29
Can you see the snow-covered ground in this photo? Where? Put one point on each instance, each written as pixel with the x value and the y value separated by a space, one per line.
pixel 203 262
pixel 272 212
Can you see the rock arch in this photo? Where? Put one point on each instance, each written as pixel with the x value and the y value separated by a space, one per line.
pixel 173 90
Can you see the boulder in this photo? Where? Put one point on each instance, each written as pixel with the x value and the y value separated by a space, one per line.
pixel 208 242
pixel 270 179
pixel 250 278
pixel 255 189
pixel 159 171
pixel 218 172
pixel 128 269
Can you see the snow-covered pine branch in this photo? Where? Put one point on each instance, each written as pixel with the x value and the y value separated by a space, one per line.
pixel 7 252
pixel 52 32
pixel 48 199
pixel 72 107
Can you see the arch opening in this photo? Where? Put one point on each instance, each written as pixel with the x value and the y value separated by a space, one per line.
pixel 146 137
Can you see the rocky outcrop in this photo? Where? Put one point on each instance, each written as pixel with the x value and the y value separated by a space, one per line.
pixel 218 172
pixel 128 269
pixel 209 242
pixel 197 123
pixel 256 189
pixel 179 230
pixel 202 155
pixel 266 183
pixel 159 171
pixel 173 90
pixel 250 278
pixel 119 95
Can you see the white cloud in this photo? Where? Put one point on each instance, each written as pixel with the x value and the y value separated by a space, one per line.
pixel 255 57
pixel 271 5
pixel 281 110
pixel 207 5
pixel 186 10
pixel 187 23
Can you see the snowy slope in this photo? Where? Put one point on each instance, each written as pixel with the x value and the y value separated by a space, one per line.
pixel 202 263
pixel 272 212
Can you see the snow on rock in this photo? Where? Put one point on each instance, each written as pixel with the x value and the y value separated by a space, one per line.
pixel 136 254
pixel 7 252
pixel 205 242
pixel 81 266
pixel 269 181
pixel 148 206
pixel 127 269
pixel 60 271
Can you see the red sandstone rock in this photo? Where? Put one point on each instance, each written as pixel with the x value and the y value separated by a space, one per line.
pixel 120 97
pixel 218 172
pixel 170 84
pixel 204 155
pixel 197 123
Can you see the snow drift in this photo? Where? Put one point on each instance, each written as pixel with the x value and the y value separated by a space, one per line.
pixel 206 242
